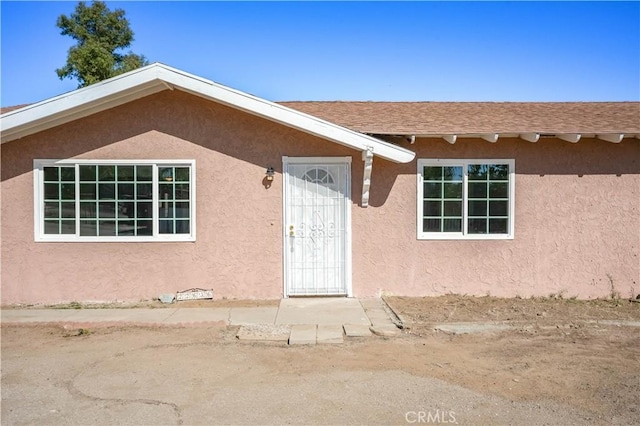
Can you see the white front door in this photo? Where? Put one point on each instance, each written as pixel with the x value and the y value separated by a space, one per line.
pixel 317 225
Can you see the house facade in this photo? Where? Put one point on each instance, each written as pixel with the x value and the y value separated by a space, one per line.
pixel 158 181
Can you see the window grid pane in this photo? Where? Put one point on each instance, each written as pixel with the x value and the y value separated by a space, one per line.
pixel 113 192
pixel 59 195
pixel 465 198
pixel 488 201
pixel 174 206
pixel 442 199
pixel 112 200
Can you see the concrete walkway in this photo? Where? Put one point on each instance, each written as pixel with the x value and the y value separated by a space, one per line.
pixel 295 320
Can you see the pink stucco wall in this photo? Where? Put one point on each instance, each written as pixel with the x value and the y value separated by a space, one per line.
pixel 577 225
pixel 577 214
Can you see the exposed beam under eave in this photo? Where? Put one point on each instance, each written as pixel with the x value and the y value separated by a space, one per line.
pixel 569 137
pixel 450 138
pixel 167 85
pixel 611 137
pixel 490 137
pixel 530 137
pixel 367 157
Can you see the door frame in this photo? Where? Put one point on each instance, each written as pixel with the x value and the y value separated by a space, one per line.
pixel 348 205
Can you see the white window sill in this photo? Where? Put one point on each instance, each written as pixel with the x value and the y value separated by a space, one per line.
pixel 150 239
pixel 455 236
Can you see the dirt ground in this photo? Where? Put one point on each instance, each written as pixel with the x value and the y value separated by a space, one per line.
pixel 564 350
pixel 547 310
pixel 561 363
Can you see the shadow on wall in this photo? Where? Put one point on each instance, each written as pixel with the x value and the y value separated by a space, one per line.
pixel 263 143
pixel 546 157
pixel 172 116
pixel 551 156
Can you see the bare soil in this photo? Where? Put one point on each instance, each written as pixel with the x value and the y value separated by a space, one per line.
pixel 561 363
pixel 565 350
pixel 551 310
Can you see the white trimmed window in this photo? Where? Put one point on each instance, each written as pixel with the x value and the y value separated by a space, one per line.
pixel 114 200
pixel 466 199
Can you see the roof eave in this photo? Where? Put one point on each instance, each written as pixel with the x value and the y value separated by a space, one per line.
pixel 530 136
pixel 158 77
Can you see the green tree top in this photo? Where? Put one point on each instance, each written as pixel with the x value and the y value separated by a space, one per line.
pixel 99 33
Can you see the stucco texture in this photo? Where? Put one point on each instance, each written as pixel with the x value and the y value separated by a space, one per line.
pixel 577 228
pixel 577 225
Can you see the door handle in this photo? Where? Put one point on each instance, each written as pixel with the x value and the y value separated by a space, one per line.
pixel 291 232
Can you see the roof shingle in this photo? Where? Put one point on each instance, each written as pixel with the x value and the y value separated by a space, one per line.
pixel 4 110
pixel 434 118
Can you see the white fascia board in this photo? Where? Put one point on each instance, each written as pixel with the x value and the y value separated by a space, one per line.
pixel 80 103
pixel 16 127
pixel 157 77
pixel 283 115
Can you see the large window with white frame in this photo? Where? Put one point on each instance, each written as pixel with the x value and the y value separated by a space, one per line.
pixel 466 199
pixel 114 200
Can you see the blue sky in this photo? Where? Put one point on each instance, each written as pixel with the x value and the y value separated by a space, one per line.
pixel 382 51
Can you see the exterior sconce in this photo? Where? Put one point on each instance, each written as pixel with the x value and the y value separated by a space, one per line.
pixel 270 172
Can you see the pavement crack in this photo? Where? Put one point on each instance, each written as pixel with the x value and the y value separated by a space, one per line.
pixel 75 392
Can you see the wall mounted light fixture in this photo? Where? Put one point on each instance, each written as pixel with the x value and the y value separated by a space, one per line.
pixel 270 173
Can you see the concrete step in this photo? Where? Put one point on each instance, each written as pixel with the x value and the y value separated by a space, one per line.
pixel 303 334
pixel 311 334
pixel 264 332
pixel 357 330
pixel 329 334
pixel 385 330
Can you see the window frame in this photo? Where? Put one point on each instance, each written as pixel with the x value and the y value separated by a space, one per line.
pixel 464 235
pixel 39 201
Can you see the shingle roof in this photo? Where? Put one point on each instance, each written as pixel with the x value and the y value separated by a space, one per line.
pixel 11 108
pixel 434 118
pixel 425 118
